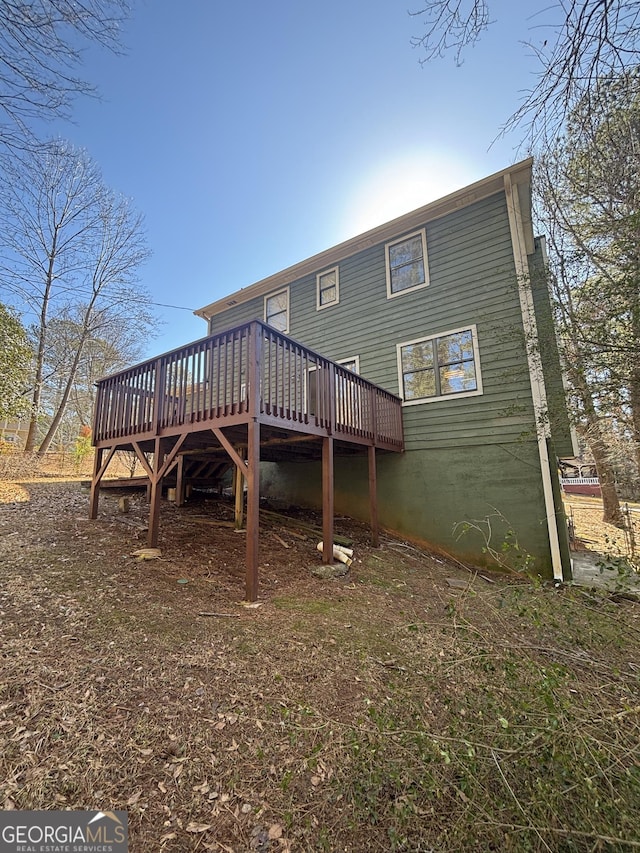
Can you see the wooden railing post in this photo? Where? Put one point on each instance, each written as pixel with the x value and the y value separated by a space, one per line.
pixel 159 394
pixel 254 355
pixel 332 425
pixel 97 427
pixel 374 415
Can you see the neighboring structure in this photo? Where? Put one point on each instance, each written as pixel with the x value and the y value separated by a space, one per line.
pixel 13 431
pixel 447 307
pixel 579 478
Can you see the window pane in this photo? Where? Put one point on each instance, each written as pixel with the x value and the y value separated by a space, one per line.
pixel 439 367
pixel 328 279
pixel 328 287
pixel 456 378
pixel 277 303
pixel 453 348
pixel 410 275
pixel 405 252
pixel 278 321
pixel 417 356
pixel 328 294
pixel 276 314
pixel 419 384
pixel 350 365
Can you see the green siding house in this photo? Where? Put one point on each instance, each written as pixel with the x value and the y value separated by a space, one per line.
pixel 446 307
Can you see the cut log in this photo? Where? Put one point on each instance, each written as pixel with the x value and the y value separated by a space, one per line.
pixel 338 553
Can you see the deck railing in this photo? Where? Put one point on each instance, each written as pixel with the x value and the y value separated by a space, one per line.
pixel 249 371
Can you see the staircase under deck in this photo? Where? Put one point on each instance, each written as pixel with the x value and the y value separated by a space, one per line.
pixel 246 395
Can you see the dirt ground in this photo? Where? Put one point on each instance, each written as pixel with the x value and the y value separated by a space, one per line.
pixel 410 705
pixel 592 534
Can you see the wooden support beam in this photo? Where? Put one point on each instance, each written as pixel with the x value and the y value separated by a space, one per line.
pixel 95 483
pixel 172 455
pixel 180 486
pixel 238 492
pixel 291 440
pixel 327 499
pixel 199 469
pixel 169 468
pixel 156 491
pixel 233 453
pixel 253 508
pixel 143 459
pixel 373 498
pixel 99 470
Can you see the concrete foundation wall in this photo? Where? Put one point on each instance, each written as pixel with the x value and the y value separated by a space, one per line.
pixel 423 494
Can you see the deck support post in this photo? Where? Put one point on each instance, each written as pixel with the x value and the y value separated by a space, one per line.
pixel 253 507
pixel 99 469
pixel 373 498
pixel 180 489
pixel 95 483
pixel 327 499
pixel 156 492
pixel 238 492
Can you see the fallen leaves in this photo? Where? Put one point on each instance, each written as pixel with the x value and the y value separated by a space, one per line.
pixel 147 553
pixel 208 730
pixel 197 827
pixel 275 831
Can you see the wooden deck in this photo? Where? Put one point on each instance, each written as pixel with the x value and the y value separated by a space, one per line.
pixel 245 395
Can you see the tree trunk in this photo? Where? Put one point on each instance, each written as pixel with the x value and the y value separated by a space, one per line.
pixel 42 340
pixel 634 390
pixel 55 423
pixel 612 514
pixel 634 401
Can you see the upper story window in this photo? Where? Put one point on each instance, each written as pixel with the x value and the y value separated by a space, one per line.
pixel 440 366
pixel 352 364
pixel 276 310
pixel 407 267
pixel 328 288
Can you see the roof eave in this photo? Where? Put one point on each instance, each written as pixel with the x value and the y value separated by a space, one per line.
pixel 520 173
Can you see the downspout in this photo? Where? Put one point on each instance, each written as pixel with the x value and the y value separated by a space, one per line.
pixel 538 390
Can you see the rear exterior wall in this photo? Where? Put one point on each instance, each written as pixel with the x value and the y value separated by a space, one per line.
pixel 467 459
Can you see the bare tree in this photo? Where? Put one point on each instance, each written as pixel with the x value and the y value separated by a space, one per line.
pixel 117 343
pixel 579 42
pixel 70 245
pixel 41 44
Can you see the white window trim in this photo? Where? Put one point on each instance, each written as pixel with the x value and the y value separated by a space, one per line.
pixel 425 260
pixel 476 358
pixel 336 270
pixel 270 296
pixel 355 358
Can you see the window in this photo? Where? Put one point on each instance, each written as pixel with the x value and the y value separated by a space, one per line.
pixel 349 396
pixel 342 383
pixel 276 310
pixel 328 288
pixel 352 364
pixel 440 366
pixel 407 267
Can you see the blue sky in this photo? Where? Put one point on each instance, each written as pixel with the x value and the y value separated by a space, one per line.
pixel 253 135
